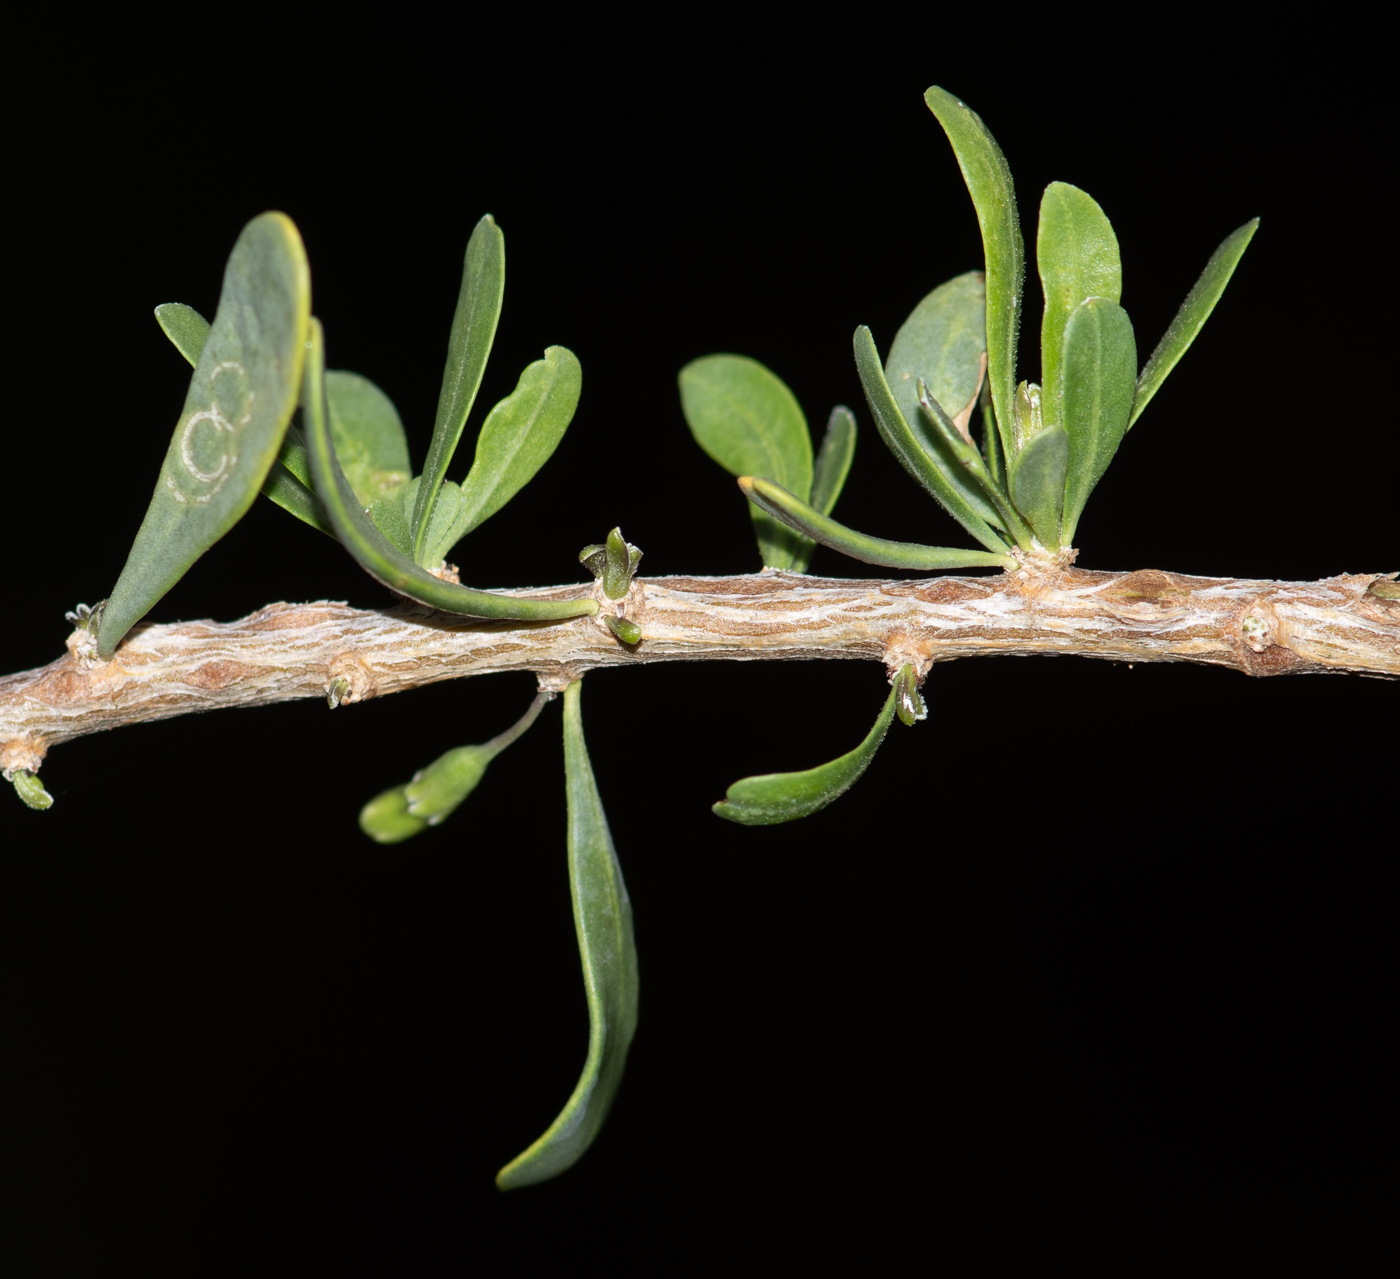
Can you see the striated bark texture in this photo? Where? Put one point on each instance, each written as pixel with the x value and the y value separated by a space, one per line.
pixel 287 651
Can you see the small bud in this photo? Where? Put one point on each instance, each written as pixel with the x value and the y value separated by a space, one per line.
pixel 335 693
pixel 30 789
pixel 386 819
pixel 436 791
pixel 1027 413
pixel 627 632
pixel 908 703
pixel 613 563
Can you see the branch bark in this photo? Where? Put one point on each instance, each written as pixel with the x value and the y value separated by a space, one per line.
pixel 287 651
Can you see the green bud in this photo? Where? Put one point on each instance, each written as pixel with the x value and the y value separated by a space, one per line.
pixel 627 632
pixel 908 703
pixel 386 818
pixel 436 790
pixel 613 563
pixel 30 789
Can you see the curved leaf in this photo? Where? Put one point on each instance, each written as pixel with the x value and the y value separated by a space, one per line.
pixel 371 549
pixel 1076 251
pixel 241 397
pixel 771 798
pixel 942 342
pixel 517 438
pixel 473 332
pixel 748 421
pixel 1038 482
pixel 369 441
pixel 834 459
pixel 782 505
pixel 988 179
pixel 1194 312
pixel 1100 359
pixel 603 922
pixel 912 452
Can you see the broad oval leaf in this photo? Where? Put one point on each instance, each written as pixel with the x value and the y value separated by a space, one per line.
pixel 469 347
pixel 785 506
pixel 746 419
pixel 371 549
pixel 517 438
pixel 1038 482
pixel 1194 312
pixel 913 451
pixel 1099 368
pixel 771 798
pixel 988 179
pixel 834 459
pixel 603 923
pixel 1076 251
pixel 241 397
pixel 942 342
pixel 369 441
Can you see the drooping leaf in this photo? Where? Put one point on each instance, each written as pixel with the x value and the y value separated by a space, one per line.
pixel 473 332
pixel 834 459
pixel 988 179
pixel 1077 254
pixel 1194 312
pixel 1098 378
pixel 603 922
pixel 748 421
pixel 371 549
pixel 913 451
pixel 517 438
pixel 942 342
pixel 771 798
pixel 369 440
pixel 241 397
pixel 1038 482
pixel 436 791
pixel 782 505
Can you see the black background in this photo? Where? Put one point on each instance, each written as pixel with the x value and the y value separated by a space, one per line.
pixel 1093 969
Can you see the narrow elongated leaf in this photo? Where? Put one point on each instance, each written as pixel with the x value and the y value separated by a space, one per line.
pixel 369 441
pixel 912 452
pixel 517 438
pixel 1077 254
pixel 371 549
pixel 1038 482
pixel 942 342
pixel 771 798
pixel 1194 312
pixel 834 459
pixel 746 419
pixel 603 922
pixel 241 397
pixel 293 496
pixel 991 444
pixel 436 791
pixel 1100 357
pixel 185 327
pixel 782 505
pixel 473 332
pixel 445 512
pixel 988 179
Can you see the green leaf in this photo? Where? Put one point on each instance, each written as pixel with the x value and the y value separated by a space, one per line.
pixel 1077 253
pixel 1038 482
pixel 185 327
pixel 834 459
pixel 748 421
pixel 436 791
pixel 1100 360
pixel 473 332
pixel 369 440
pixel 913 452
pixel 517 438
pixel 782 505
pixel 771 798
pixel 284 488
pixel 603 922
pixel 446 511
pixel 30 789
pixel 371 549
pixel 612 563
pixel 988 179
pixel 943 342
pixel 1194 312
pixel 241 397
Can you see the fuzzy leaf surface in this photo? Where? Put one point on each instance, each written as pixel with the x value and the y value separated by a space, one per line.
pixel 1190 319
pixel 242 395
pixel 988 179
pixel 1038 482
pixel 603 923
pixel 1076 251
pixel 743 415
pixel 770 798
pixel 941 342
pixel 1100 359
